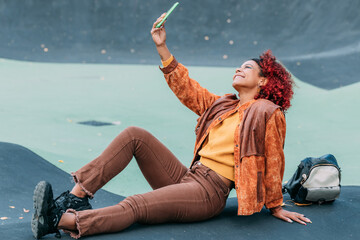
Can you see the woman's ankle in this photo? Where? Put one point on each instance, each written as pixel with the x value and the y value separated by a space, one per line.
pixel 78 191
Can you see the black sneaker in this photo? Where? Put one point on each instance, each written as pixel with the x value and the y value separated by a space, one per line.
pixel 46 216
pixel 68 200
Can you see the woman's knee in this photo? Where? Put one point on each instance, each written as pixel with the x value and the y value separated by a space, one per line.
pixel 136 132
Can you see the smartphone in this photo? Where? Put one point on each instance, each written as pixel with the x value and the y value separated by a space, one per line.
pixel 167 14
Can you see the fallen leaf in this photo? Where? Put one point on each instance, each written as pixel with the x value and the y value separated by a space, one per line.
pixel 61 161
pixel 11 207
pixel 4 218
pixel 25 210
pixel 21 217
pixel 302 204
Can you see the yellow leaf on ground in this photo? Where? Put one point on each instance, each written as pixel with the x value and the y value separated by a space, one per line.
pixel 4 218
pixel 11 207
pixel 21 217
pixel 25 210
pixel 302 204
pixel 61 161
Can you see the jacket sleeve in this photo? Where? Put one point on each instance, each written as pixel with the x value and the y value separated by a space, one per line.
pixel 274 159
pixel 187 90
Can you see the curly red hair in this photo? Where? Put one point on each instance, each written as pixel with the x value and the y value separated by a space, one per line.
pixel 279 86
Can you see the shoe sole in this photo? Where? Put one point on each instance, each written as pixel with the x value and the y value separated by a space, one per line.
pixel 43 195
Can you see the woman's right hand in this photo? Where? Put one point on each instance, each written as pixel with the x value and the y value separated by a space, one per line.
pixel 159 34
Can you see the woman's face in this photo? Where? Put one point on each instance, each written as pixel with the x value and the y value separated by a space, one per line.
pixel 247 77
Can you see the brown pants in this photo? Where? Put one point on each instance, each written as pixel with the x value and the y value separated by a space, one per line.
pixel 180 194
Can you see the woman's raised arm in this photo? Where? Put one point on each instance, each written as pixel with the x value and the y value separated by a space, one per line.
pixel 159 38
pixel 187 90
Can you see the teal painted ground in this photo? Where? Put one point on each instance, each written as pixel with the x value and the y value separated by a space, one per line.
pixel 41 104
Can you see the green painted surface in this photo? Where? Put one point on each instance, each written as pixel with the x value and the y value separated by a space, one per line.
pixel 41 104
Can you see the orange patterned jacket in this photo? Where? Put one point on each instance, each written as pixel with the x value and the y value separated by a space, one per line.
pixel 252 192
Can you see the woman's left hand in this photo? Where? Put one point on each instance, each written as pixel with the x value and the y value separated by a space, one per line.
pixel 288 216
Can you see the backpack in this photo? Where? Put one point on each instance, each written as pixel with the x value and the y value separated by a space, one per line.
pixel 315 180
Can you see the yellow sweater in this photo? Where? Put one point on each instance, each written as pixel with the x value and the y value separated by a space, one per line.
pixel 217 152
pixel 168 61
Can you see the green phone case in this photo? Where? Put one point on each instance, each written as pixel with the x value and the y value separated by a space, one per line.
pixel 167 14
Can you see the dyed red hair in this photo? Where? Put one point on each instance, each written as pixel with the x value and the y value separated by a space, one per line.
pixel 279 86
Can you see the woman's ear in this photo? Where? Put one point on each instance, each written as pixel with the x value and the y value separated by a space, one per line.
pixel 263 81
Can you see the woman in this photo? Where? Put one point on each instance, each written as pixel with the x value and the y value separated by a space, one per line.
pixel 239 143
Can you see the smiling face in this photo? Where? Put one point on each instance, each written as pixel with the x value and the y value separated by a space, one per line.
pixel 247 77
